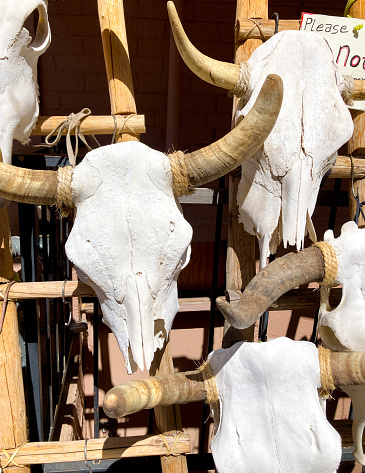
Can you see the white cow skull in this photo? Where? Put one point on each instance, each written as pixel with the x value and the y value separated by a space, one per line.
pixel 18 70
pixel 270 417
pixel 129 242
pixel 280 183
pixel 343 328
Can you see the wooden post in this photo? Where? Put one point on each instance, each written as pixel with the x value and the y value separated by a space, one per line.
pixel 240 266
pixel 356 144
pixel 116 55
pixel 168 420
pixel 13 423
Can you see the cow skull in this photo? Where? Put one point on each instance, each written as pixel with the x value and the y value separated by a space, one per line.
pixel 343 328
pixel 266 393
pixel 129 240
pixel 18 70
pixel 280 182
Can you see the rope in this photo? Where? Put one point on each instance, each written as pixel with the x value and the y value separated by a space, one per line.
pixel 73 122
pixel 64 196
pixel 179 173
pixel 243 80
pixel 348 88
pixel 5 304
pixel 327 381
pixel 11 458
pixel 256 24
pixel 330 263
pixel 171 450
pixel 209 383
pixel 120 130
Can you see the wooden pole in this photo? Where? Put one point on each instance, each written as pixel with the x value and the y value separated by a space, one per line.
pixel 168 420
pixel 116 55
pixel 240 266
pixel 13 421
pixel 97 449
pixel 92 125
pixel 356 144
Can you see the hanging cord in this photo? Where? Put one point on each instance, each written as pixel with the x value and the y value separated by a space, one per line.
pixel 120 130
pixel 359 205
pixel 5 304
pixel 276 17
pixel 73 122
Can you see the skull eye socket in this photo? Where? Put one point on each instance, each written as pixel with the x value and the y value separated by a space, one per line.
pixel 37 22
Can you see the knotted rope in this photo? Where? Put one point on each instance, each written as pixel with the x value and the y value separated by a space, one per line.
pixel 179 174
pixel 330 263
pixel 327 381
pixel 209 383
pixel 125 127
pixel 347 90
pixel 256 24
pixel 64 196
pixel 171 450
pixel 243 80
pixel 11 458
pixel 73 122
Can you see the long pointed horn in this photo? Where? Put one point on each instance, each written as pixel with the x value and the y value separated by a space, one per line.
pixel 221 74
pixel 181 388
pixel 242 142
pixel 178 388
pixel 28 185
pixel 270 283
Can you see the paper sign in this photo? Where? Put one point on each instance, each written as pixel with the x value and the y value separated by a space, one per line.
pixel 346 37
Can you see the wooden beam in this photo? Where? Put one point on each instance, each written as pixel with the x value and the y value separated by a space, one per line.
pixel 13 423
pixel 116 56
pixel 93 125
pixel 34 453
pixel 261 28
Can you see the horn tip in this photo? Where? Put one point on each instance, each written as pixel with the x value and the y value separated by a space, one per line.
pixel 112 406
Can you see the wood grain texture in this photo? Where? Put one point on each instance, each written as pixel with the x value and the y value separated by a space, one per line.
pixel 247 29
pixel 13 424
pixel 93 124
pixel 97 449
pixel 116 56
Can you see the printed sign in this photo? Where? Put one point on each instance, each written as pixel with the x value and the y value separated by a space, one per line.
pixel 346 37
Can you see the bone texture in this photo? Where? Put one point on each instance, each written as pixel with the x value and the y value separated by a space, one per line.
pixel 280 182
pixel 344 327
pixel 19 107
pixel 357 395
pixel 269 416
pixel 129 243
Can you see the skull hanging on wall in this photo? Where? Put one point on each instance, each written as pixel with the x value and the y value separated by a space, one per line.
pixel 19 55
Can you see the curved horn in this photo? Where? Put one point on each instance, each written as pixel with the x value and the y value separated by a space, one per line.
pixel 242 142
pixel 270 283
pixel 221 74
pixel 178 388
pixel 29 186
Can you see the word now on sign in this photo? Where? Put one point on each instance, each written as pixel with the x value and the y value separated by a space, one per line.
pixel 346 38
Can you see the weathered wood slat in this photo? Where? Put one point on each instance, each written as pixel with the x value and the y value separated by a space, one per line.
pixel 93 124
pixel 250 29
pixel 97 449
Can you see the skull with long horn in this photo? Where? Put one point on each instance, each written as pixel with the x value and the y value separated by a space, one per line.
pixel 130 240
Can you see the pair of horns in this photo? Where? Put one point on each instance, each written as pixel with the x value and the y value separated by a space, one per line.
pixel 202 166
pixel 182 388
pixel 219 73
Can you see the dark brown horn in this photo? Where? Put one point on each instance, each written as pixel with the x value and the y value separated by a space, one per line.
pixel 178 388
pixel 270 283
pixel 221 74
pixel 242 142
